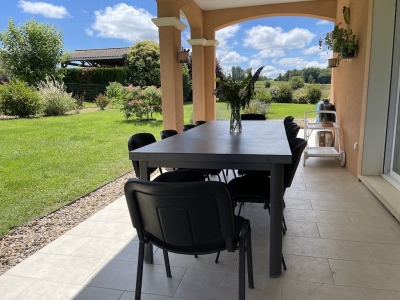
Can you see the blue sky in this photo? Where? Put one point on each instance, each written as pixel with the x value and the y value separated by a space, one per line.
pixel 279 43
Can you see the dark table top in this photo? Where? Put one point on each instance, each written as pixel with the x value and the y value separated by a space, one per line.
pixel 211 145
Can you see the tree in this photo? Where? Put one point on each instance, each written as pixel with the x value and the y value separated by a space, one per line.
pixel 296 82
pixel 238 73
pixel 144 64
pixel 31 51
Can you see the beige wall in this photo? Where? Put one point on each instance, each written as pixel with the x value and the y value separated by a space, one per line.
pixel 348 92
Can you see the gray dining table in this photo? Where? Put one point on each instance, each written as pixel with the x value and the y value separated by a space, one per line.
pixel 262 145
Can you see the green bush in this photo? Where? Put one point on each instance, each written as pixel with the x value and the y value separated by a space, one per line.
pixel 299 97
pixel 268 84
pixel 257 107
pixel 284 94
pixel 274 92
pixel 95 75
pixel 102 101
pixel 113 90
pixel 19 99
pixel 56 101
pixel 296 82
pixel 314 94
pixel 263 96
pixel 187 83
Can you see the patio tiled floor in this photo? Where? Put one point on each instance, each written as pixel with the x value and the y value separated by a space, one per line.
pixel 341 244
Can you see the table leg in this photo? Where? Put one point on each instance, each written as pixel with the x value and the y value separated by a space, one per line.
pixel 275 256
pixel 148 248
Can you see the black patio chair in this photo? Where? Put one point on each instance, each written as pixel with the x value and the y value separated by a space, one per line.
pixel 167 133
pixel 287 125
pixel 253 117
pixel 187 127
pixel 193 218
pixel 288 119
pixel 255 187
pixel 293 132
pixel 198 123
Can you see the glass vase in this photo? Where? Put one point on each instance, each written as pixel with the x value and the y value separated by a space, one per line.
pixel 235 124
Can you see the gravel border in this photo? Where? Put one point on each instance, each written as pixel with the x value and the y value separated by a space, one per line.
pixel 26 240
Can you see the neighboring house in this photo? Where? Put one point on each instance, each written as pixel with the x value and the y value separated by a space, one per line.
pixel 365 90
pixel 101 58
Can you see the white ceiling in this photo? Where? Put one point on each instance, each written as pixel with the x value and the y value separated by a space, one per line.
pixel 222 4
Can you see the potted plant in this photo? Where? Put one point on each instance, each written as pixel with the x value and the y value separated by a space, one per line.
pixel 342 41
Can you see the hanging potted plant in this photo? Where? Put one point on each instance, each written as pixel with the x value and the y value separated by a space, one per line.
pixel 342 41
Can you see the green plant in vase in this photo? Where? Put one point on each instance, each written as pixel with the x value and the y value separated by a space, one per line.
pixel 237 94
pixel 341 41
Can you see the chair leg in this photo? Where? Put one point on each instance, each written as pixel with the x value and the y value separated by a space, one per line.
pixel 160 169
pixel 284 204
pixel 283 263
pixel 219 178
pixel 240 208
pixel 284 223
pixel 195 256
pixel 249 259
pixel 139 275
pixel 223 174
pixel 216 259
pixel 242 267
pixel 167 265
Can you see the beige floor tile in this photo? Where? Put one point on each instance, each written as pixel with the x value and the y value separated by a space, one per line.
pixel 374 220
pixel 359 233
pixel 119 204
pixel 101 248
pixel 301 215
pixel 106 215
pixel 260 242
pixel 302 229
pixel 226 263
pixel 396 295
pixel 355 197
pixel 300 268
pixel 125 218
pixel 344 206
pixel 312 195
pixel 366 274
pixel 298 290
pixel 66 244
pixel 48 290
pixel 104 230
pixel 121 275
pixel 384 253
pixel 224 286
pixel 12 286
pixel 61 268
pixel 336 249
pixel 297 186
pixel 298 203
pixel 131 296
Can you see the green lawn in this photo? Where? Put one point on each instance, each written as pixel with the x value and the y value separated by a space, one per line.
pixel 51 161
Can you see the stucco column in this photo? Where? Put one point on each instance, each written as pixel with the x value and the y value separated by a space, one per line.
pixel 169 30
pixel 209 78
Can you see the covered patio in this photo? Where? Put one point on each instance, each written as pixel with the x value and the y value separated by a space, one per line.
pixel 341 243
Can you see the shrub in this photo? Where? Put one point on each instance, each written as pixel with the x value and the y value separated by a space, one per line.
pixel 263 96
pixel 257 107
pixel 314 94
pixel 113 90
pixel 296 82
pixel 268 84
pixel 17 98
pixel 299 97
pixel 284 94
pixel 95 75
pixel 102 101
pixel 56 101
pixel 79 102
pixel 274 93
pixel 187 83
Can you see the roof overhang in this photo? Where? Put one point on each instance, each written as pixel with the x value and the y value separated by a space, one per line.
pixel 224 4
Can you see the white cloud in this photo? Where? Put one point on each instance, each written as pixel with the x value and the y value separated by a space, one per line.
pixel 312 50
pixel 89 32
pixel 299 63
pixel 48 10
pixel 323 22
pixel 224 34
pixel 272 72
pixel 230 57
pixel 255 63
pixel 125 22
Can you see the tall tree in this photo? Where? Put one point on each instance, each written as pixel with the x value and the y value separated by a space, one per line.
pixel 144 63
pixel 31 51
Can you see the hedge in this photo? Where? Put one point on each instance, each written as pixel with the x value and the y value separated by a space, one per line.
pixel 95 75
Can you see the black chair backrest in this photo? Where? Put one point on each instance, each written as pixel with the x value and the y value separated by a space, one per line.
pixel 293 133
pixel 287 125
pixel 188 127
pixel 297 146
pixel 290 127
pixel 180 176
pixel 167 133
pixel 198 123
pixel 180 215
pixel 253 117
pixel 139 140
pixel 288 119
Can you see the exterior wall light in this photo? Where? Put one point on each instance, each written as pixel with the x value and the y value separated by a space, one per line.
pixel 183 56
